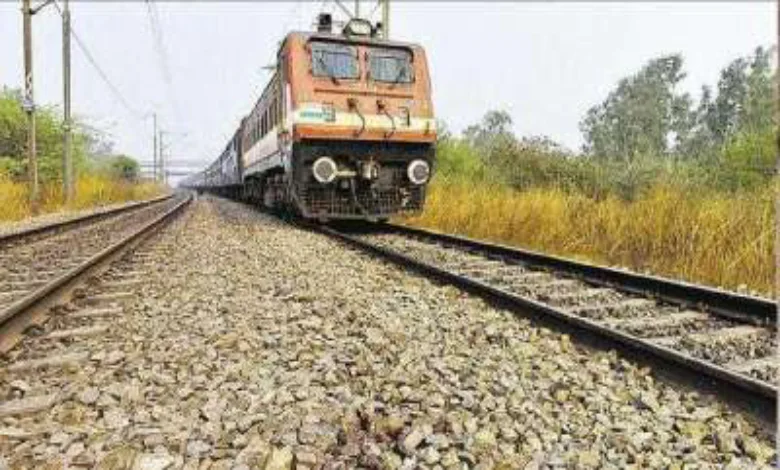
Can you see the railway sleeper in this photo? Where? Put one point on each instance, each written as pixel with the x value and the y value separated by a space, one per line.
pixel 27 405
pixel 744 332
pixel 60 360
pixel 11 294
pixel 584 294
pixel 587 310
pixel 119 275
pixel 753 364
pixel 80 332
pixel 17 285
pixel 503 269
pixel 539 286
pixel 513 275
pixel 120 284
pixel 108 297
pixel 666 321
pixel 96 312
pixel 472 265
pixel 29 276
pixel 725 334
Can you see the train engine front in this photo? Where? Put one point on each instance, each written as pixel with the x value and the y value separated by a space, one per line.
pixel 363 131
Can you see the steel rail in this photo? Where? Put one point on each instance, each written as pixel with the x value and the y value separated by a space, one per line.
pixel 69 223
pixel 731 305
pixel 32 308
pixel 758 397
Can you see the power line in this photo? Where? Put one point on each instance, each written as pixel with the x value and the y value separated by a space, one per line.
pixel 91 59
pixel 162 54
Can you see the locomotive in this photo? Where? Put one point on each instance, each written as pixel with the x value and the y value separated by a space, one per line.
pixel 343 130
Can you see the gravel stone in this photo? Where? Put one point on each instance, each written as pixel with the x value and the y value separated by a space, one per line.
pixel 253 344
pixel 89 396
pixel 280 459
pixel 197 448
pixel 154 462
pixel 113 358
pixel 115 418
pixel 410 442
pixel 307 459
pixel 20 385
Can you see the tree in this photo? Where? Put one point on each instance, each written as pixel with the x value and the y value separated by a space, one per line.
pixel 124 167
pixel 88 143
pixel 493 138
pixel 644 115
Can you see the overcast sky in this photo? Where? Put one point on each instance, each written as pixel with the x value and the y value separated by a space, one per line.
pixel 545 63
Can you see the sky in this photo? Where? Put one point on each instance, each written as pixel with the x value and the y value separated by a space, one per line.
pixel 545 63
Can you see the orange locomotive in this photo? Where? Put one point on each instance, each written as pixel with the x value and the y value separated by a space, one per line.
pixel 343 130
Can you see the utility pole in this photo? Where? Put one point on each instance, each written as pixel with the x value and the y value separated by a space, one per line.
pixel 357 8
pixel 154 157
pixel 67 157
pixel 29 105
pixel 161 162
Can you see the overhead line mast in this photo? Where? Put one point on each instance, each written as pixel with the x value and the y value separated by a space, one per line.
pixel 29 105
pixel 67 124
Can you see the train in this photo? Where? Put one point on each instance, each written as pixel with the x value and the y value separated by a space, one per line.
pixel 344 129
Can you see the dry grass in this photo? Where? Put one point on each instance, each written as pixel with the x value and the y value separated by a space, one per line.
pixel 716 239
pixel 91 191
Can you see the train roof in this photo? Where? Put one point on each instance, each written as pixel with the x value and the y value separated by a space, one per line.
pixel 368 40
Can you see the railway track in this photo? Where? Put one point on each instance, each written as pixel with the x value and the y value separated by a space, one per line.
pixel 228 340
pixel 69 223
pixel 720 340
pixel 40 267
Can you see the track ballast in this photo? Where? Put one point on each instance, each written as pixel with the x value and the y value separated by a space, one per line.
pixel 717 339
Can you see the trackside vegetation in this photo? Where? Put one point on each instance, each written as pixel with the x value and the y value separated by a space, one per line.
pixel 663 184
pixel 102 176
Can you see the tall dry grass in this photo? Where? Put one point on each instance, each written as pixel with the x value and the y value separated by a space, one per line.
pixel 90 191
pixel 718 239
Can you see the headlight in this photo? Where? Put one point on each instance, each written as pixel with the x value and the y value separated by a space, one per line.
pixel 324 170
pixel 418 172
pixel 358 27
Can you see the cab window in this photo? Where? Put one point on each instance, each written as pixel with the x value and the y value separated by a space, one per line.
pixel 333 60
pixel 390 65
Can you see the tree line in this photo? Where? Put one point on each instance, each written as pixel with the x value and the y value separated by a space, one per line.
pixel 92 151
pixel 644 132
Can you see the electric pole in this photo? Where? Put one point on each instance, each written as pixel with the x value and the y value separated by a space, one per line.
pixel 29 105
pixel 154 156
pixel 159 176
pixel 67 157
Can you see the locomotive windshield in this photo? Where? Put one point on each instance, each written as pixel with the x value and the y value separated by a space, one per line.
pixel 334 60
pixel 390 65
